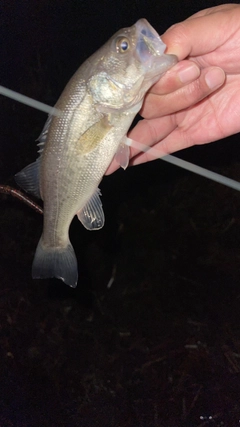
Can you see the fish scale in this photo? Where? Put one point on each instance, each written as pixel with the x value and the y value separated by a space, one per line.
pixel 97 108
pixel 87 128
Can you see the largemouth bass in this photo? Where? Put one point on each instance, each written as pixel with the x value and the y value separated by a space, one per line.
pixel 96 108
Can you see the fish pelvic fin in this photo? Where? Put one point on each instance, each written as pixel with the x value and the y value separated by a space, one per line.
pixel 55 262
pixel 122 154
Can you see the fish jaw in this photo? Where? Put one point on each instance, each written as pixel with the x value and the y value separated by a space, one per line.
pixel 123 70
pixel 150 52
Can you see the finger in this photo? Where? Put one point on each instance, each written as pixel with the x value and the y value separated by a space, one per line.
pixel 212 119
pixel 212 10
pixel 175 141
pixel 156 105
pixel 147 132
pixel 112 168
pixel 150 132
pixel 194 36
pixel 178 76
pixel 184 131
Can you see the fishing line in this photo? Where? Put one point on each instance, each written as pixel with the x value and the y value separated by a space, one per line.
pixel 186 165
pixel 29 101
pixel 144 148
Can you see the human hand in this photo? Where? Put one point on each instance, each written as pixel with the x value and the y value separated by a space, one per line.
pixel 177 116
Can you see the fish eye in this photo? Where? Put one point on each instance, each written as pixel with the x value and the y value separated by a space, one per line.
pixel 122 44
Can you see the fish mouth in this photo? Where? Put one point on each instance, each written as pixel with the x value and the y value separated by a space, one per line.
pixel 150 50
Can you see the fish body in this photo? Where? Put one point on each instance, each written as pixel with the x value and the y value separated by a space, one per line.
pixel 96 108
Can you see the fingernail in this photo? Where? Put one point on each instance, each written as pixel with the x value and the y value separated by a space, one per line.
pixel 189 74
pixel 215 78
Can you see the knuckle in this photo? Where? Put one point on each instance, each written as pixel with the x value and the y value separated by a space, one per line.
pixel 179 33
pixel 195 91
pixel 152 131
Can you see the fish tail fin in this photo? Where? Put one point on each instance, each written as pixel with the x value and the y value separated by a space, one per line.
pixel 55 262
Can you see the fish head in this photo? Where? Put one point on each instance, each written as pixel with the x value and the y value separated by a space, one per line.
pixel 123 70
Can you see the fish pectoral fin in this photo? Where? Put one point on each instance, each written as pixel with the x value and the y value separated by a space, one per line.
pixel 122 154
pixel 93 136
pixel 92 215
pixel 28 178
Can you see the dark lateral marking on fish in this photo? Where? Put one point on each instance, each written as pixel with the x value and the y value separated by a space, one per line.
pixel 6 189
pixel 90 139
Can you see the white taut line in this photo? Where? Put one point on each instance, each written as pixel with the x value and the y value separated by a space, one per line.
pixel 29 101
pixel 144 148
pixel 188 166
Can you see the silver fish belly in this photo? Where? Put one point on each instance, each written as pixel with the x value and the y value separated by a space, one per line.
pixel 97 108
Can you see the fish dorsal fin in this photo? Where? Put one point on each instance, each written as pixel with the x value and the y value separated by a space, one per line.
pixel 92 215
pixel 43 136
pixel 28 178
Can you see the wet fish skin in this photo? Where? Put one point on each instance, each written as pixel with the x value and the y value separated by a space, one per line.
pixel 98 106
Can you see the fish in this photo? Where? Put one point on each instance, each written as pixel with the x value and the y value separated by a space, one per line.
pixel 77 145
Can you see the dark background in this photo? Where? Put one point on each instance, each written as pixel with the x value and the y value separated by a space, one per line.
pixel 161 347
